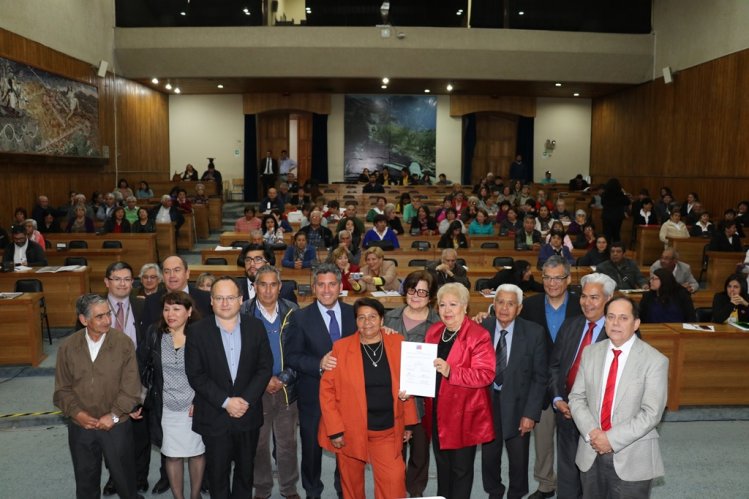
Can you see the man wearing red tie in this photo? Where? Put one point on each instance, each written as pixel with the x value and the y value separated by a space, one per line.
pixel 575 335
pixel 616 402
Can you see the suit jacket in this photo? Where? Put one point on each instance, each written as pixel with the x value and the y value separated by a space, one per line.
pixel 638 406
pixel 209 375
pixel 565 351
pixel 343 399
pixel 307 341
pixel 534 310
pixel 682 274
pixel 174 214
pixel 261 166
pixel 526 375
pixel 287 290
pixel 35 255
pixel 152 310
pixel 719 242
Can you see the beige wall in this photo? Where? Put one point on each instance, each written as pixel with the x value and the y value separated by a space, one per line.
pixel 83 29
pixel 294 9
pixel 568 122
pixel 449 141
pixel 690 32
pixel 207 126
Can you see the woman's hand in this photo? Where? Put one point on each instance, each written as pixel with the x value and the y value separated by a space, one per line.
pixel 407 435
pixel 367 278
pixel 442 367
pixel 403 396
pixel 738 300
pixel 190 410
pixel 338 442
pixel 387 330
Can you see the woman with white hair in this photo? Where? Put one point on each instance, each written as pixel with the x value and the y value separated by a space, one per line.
pixel 32 233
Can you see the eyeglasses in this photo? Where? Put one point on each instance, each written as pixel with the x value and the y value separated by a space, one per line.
pixel 225 299
pixel 258 259
pixel 421 293
pixel 557 279
pixel 118 280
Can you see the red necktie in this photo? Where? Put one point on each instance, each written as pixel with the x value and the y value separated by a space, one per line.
pixel 608 396
pixel 587 339
pixel 120 317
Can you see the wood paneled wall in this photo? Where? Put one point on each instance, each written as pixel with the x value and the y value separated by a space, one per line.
pixel 689 135
pixel 272 135
pixel 461 105
pixel 262 103
pixel 133 123
pixel 496 141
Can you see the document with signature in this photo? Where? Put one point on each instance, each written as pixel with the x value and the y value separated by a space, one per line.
pixel 418 375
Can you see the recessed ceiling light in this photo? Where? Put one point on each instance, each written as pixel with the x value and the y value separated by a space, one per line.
pixel 521 13
pixel 557 84
pixel 309 10
pixel 426 90
pixel 459 13
pixel 183 13
pixel 385 80
pixel 576 94
pixel 383 87
pixel 168 86
pixel 219 86
pixel 155 81
pixel 177 90
pixel 449 87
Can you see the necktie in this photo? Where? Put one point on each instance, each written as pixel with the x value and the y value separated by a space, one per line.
pixel 587 339
pixel 268 167
pixel 335 330
pixel 608 395
pixel 501 358
pixel 120 317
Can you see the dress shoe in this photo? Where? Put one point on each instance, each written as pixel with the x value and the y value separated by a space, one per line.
pixel 109 488
pixel 143 485
pixel 540 495
pixel 161 486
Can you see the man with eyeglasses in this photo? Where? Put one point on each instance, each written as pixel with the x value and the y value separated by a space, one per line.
pixel 252 258
pixel 621 269
pixel 311 333
pixel 228 410
pixel 23 251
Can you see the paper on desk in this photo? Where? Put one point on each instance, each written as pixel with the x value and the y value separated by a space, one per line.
pixel 224 248
pixel 698 327
pixel 383 294
pixel 21 268
pixel 418 374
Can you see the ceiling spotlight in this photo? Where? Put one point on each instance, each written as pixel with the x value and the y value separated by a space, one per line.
pixel 557 84
pixel 385 80
pixel 426 90
pixel 177 90
pixel 168 86
pixel 155 81
pixel 576 94
pixel 246 11
pixel 383 87
pixel 183 13
pixel 308 10
pixel 449 87
pixel 219 86
pixel 521 13
pixel 459 13
pixel 385 12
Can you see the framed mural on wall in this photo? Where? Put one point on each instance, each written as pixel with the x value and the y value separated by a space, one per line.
pixel 43 113
pixel 397 132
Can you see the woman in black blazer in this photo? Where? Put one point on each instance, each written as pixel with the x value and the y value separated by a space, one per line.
pixel 667 300
pixel 732 304
pixel 454 237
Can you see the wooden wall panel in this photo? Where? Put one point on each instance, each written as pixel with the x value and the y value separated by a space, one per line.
pixel 133 123
pixel 496 141
pixel 304 147
pixel 273 135
pixel 461 105
pixel 263 103
pixel 689 135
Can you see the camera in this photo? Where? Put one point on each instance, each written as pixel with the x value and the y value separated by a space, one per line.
pixel 356 275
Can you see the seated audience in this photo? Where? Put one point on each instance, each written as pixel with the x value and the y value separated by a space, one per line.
pixel 730 216
pixel 300 198
pixel 403 202
pixel 689 204
pixel 23 251
pixel 560 211
pixel 144 191
pixel 541 200
pixel 380 232
pixel 447 269
pixel 282 221
pixel 377 209
pixel 20 216
pixel 673 227
pixel 520 274
pixel 392 219
pixel 450 216
pixel 556 247
pixel 726 238
pixel 184 205
pixel 105 210
pixel 543 220
pixel 350 214
pixel 213 175
pixel 694 214
pixel 345 240
pixel 80 222
pixel 548 179
pixel 441 212
pixel 666 301
pixel 117 223
pixel 621 269
pixel 271 201
pixel 144 224
pixel 528 238
pixel 384 178
pixel 167 213
pixel 318 235
pixel 340 257
pixel 205 281
pixel 703 227
pixel 131 210
pixel 32 234
pixel 272 233
pixel 123 190
pixel 732 304
pixel 332 213
pixel 577 226
pixel 599 253
pixel 586 240
pixel 681 271
pixel 190 173
pixel 151 280
pixel 454 237
pixel 42 205
pixel 200 196
pixel 558 226
pixel 481 225
pixel 377 273
pixel 423 224
pixel 372 186
pixel 49 224
pixel 511 225
pixel 443 180
pixel 469 213
pixel 299 255
pixel 578 183
pixel 248 222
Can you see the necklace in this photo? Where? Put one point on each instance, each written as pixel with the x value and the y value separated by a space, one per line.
pixel 371 353
pixel 450 338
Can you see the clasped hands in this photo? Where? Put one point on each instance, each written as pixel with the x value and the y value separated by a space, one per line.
pixel 599 441
pixel 237 407
pixel 105 423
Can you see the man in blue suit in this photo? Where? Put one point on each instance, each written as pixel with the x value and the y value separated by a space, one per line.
pixel 309 341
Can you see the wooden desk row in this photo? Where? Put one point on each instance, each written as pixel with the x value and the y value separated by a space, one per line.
pixel 21 334
pixel 137 249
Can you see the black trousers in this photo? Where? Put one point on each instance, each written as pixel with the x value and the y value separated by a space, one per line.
pixel 518 452
pixel 602 482
pixel 116 446
pixel 454 468
pixel 568 474
pixel 417 465
pixel 223 450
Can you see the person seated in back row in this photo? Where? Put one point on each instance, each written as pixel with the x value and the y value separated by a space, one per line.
pixel 380 233
pixel 299 255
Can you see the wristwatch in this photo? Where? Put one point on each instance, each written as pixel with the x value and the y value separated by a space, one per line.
pixel 115 419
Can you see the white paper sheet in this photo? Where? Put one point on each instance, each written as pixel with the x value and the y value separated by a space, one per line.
pixel 418 374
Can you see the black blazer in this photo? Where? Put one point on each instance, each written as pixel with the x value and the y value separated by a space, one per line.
pixel 209 375
pixel 35 255
pixel 722 308
pixel 719 242
pixel 307 341
pixel 526 376
pixel 153 309
pixel 565 351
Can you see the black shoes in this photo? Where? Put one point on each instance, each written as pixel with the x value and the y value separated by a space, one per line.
pixel 143 485
pixel 109 489
pixel 161 486
pixel 541 495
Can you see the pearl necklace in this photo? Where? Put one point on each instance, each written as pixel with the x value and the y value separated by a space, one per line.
pixel 450 338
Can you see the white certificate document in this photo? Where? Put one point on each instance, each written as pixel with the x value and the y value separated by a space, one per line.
pixel 418 374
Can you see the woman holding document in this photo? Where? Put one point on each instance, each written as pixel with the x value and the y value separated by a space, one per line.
pixel 412 321
pixel 367 370
pixel 461 410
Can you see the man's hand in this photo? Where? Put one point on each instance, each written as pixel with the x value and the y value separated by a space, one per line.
pixel 403 396
pixel 387 330
pixel 480 317
pixel 86 420
pixel 338 442
pixel 526 425
pixel 297 264
pixel 105 423
pixel 236 407
pixel 137 414
pixel 274 385
pixel 190 410
pixel 407 435
pixel 563 408
pixel 441 267
pixel 600 442
pixel 328 362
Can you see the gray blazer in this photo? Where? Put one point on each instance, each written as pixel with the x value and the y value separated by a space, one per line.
pixel 640 400
pixel 682 274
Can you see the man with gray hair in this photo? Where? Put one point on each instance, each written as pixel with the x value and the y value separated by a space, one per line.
pixel 166 212
pixel 98 387
pixel 574 336
pixel 318 236
pixel 311 333
pixel 682 271
pixel 105 211
pixel 447 270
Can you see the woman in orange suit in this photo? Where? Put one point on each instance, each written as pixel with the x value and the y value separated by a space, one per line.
pixel 365 416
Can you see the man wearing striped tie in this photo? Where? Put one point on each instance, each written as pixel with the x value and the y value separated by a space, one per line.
pixel 617 400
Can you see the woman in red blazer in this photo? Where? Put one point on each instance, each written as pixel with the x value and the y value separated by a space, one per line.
pixel 461 411
pixel 364 414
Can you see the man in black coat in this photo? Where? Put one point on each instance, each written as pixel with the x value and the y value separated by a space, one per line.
pixel 228 410
pixel 252 258
pixel 23 251
pixel 309 341
pixel 267 169
pixel 518 391
pixel 167 212
pixel 726 238
pixel 576 333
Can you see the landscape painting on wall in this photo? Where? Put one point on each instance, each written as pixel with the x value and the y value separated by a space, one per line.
pixel 397 132
pixel 42 113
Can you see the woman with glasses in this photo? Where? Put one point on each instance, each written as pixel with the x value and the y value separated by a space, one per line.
pixel 412 321
pixel 170 399
pixel 151 280
pixel 366 418
pixel 667 300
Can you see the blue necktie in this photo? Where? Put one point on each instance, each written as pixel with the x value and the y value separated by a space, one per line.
pixel 335 329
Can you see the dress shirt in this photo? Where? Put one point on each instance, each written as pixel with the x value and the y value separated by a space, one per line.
pixel 129 326
pixel 250 289
pixel 19 253
pixel 324 312
pixel 271 315
pixel 646 216
pixel 163 216
pixel 596 331
pixel 555 316
pixel 268 170
pixel 232 341
pixel 94 346
pixel 286 165
pixel 625 348
pixel 508 338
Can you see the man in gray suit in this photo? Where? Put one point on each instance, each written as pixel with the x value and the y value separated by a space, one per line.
pixel 517 392
pixel 616 402
pixel 682 271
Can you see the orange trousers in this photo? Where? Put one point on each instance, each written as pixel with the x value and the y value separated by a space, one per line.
pixel 388 469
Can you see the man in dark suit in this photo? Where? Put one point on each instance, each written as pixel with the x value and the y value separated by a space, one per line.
pixel 726 238
pixel 23 251
pixel 166 212
pixel 574 336
pixel 517 392
pixel 528 239
pixel 267 168
pixel 309 341
pixel 229 363
pixel 252 258
pixel 549 310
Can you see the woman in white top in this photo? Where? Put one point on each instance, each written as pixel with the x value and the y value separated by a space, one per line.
pixel 673 227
